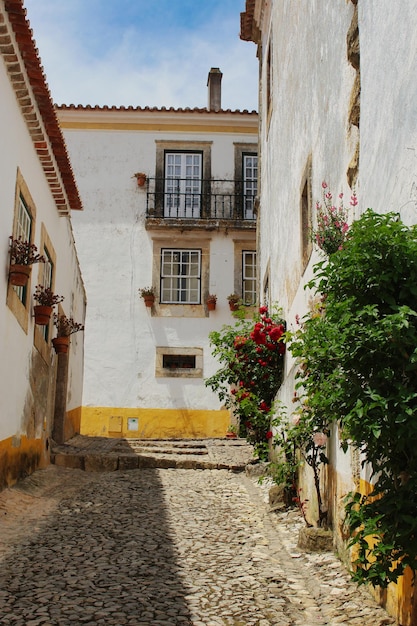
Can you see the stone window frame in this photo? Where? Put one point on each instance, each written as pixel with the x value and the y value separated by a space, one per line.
pixel 183 146
pixel 187 241
pixel 42 340
pixel 242 150
pixel 240 246
pixel 19 309
pixel 162 372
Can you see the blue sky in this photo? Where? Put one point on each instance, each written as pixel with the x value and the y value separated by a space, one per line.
pixel 144 52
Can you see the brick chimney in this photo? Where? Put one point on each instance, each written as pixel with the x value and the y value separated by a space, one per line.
pixel 214 83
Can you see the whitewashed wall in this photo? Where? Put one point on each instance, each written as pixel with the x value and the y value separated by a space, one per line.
pixel 388 161
pixel 16 345
pixel 116 257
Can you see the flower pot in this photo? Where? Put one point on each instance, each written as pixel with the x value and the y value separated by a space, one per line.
pixel 149 300
pixel 42 314
pixel 230 435
pixel 61 344
pixel 233 306
pixel 19 274
pixel 211 305
pixel 141 180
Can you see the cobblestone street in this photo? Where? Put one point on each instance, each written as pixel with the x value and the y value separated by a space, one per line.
pixel 164 547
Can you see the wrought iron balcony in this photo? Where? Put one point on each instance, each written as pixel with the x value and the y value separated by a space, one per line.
pixel 199 200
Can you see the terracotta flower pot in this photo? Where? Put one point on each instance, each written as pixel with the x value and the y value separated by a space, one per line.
pixel 211 304
pixel 141 180
pixel 149 300
pixel 233 305
pixel 19 274
pixel 42 314
pixel 61 344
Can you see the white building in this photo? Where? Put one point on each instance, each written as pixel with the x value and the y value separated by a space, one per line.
pixel 188 232
pixel 40 392
pixel 338 102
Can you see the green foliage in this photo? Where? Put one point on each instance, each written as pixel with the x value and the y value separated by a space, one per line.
pixel 252 355
pixel 358 354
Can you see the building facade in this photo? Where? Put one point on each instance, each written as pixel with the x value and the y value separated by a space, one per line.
pixel 337 104
pixel 40 391
pixel 187 229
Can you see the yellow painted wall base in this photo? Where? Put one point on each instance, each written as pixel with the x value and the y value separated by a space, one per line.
pixel 20 456
pixel 72 424
pixel 397 599
pixel 153 423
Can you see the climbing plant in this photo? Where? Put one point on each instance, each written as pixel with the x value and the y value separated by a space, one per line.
pixel 251 353
pixel 358 367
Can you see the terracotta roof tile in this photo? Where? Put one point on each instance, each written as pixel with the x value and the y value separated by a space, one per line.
pixel 89 107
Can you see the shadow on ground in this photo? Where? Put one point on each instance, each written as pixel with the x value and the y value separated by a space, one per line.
pixel 105 555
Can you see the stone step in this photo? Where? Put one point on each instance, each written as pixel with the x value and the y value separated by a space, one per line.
pixel 97 454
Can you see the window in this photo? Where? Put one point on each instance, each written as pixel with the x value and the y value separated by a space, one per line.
pixel 24 221
pixel 268 79
pixel 179 362
pixel 249 277
pixel 180 276
pixel 306 217
pixel 183 184
pixel 182 180
pixel 23 229
pixel 246 180
pixel 250 184
pixel 46 281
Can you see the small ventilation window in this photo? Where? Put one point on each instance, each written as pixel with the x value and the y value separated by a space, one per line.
pixel 178 361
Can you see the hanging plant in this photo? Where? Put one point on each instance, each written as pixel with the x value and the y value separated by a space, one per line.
pixel 23 255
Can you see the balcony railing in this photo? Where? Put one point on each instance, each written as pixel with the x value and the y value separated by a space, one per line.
pixel 196 199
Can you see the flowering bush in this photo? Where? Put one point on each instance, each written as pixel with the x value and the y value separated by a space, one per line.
pixel 332 225
pixel 358 369
pixel 252 357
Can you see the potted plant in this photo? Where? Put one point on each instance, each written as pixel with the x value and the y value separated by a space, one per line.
pixel 232 432
pixel 148 294
pixel 234 301
pixel 65 327
pixel 22 255
pixel 46 300
pixel 140 178
pixel 211 301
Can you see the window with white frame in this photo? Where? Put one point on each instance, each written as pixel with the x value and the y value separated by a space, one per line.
pixel 250 184
pixel 180 276
pixel 183 184
pixel 249 277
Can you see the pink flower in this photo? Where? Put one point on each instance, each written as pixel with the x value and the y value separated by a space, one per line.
pixel 295 420
pixel 324 184
pixel 297 317
pixel 319 439
pixel 353 199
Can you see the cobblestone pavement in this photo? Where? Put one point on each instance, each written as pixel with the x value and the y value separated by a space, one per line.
pixel 170 547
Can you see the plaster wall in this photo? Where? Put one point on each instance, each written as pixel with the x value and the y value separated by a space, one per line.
pixel 388 158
